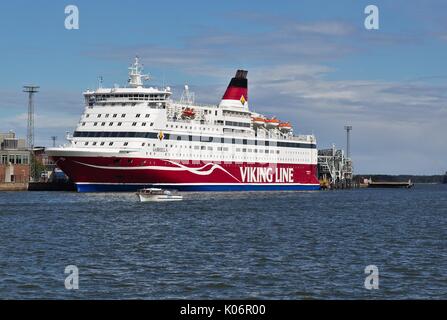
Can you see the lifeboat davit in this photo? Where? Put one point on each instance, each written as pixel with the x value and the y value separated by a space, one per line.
pixel 285 126
pixel 188 113
pixel 258 121
pixel 272 123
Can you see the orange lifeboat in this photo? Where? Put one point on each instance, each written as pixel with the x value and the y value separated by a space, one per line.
pixel 258 121
pixel 285 126
pixel 188 113
pixel 272 123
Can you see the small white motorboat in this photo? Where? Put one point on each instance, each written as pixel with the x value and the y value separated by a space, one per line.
pixel 156 194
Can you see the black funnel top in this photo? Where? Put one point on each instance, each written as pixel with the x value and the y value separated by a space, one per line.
pixel 241 74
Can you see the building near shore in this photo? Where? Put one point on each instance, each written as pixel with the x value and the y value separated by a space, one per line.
pixel 47 166
pixel 14 159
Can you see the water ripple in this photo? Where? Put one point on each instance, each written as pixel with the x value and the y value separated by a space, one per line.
pixel 259 245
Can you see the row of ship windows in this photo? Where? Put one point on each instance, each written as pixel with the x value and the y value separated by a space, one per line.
pixel 192 128
pixel 232 157
pixel 208 156
pixel 143 124
pixel 206 111
pixel 123 115
pixel 119 124
pixel 146 96
pixel 225 149
pixel 91 104
pixel 149 162
pixel 237 114
pixel 156 105
pixel 218 149
pixel 237 124
pixel 190 138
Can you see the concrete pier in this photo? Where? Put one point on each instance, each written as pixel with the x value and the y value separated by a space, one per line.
pixel 19 186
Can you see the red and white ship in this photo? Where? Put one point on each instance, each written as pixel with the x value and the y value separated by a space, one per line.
pixel 135 137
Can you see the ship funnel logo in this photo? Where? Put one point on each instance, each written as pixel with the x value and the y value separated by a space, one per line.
pixel 237 91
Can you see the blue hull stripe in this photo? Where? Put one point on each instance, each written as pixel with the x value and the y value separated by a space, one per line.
pixel 217 187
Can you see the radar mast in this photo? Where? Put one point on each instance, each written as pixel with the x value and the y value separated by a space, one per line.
pixel 136 77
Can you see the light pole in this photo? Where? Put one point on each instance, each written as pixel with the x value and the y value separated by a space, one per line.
pixel 54 138
pixel 31 90
pixel 348 141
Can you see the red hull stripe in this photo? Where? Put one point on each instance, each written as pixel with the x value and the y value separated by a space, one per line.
pixel 159 171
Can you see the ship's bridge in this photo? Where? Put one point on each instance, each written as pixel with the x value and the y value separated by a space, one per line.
pixel 124 95
pixel 135 91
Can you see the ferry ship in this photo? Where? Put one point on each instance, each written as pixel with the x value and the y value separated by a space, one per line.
pixel 137 136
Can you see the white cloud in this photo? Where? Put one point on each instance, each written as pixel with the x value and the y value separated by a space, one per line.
pixel 329 28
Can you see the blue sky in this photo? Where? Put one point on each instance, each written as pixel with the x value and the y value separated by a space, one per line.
pixel 310 62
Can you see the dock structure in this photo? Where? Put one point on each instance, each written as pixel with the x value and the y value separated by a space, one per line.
pixel 334 169
pixel 390 184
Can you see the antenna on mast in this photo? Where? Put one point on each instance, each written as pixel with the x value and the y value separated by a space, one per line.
pixel 187 97
pixel 136 77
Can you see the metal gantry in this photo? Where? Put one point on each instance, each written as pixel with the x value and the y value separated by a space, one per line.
pixel 334 168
